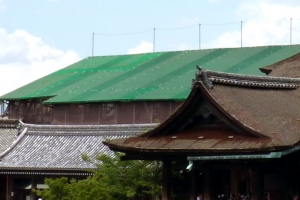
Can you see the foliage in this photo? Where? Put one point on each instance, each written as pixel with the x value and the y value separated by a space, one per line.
pixel 63 189
pixel 113 179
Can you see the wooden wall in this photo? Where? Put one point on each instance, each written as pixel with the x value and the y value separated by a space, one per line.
pixel 33 111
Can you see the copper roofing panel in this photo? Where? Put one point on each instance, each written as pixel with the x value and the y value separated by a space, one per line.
pixel 54 147
pixel 152 76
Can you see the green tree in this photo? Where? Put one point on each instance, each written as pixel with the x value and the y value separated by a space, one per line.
pixel 113 179
pixel 64 189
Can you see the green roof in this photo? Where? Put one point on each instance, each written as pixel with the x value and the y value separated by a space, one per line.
pixel 151 76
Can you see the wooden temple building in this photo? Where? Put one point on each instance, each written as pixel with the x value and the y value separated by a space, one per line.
pixel 234 134
pixel 129 89
pixel 229 136
pixel 30 153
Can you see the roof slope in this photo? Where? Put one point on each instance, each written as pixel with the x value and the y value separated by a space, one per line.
pixel 152 76
pixel 8 133
pixel 54 147
pixel 286 68
pixel 256 113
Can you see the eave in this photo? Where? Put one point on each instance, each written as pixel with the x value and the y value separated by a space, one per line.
pixel 219 92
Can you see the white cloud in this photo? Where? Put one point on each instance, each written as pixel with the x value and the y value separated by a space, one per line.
pixel 185 46
pixel 230 39
pixel 264 23
pixel 143 47
pixel 25 58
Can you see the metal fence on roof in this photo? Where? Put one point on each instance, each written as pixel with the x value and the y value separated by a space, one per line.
pixel 197 33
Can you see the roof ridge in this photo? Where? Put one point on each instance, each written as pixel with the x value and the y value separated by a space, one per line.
pixel 210 77
pixel 88 127
pixel 40 171
pixel 9 123
pixel 83 134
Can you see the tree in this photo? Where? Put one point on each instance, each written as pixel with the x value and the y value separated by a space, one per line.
pixel 64 189
pixel 113 179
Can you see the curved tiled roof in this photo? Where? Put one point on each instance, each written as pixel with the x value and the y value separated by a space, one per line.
pixel 60 147
pixel 255 118
pixel 272 112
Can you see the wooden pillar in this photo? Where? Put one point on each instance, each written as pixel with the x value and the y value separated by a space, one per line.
pixel 256 184
pixel 10 193
pixel 33 186
pixel 233 181
pixel 192 174
pixel 286 181
pixel 208 184
pixel 166 184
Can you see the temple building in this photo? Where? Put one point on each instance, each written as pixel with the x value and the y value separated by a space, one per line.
pixel 129 89
pixel 234 134
pixel 223 133
pixel 31 153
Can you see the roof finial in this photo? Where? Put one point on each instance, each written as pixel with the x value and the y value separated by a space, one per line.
pixel 202 75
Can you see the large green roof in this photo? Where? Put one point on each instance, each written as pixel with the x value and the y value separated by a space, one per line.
pixel 151 76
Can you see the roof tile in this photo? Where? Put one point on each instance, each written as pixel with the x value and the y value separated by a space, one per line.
pixel 56 147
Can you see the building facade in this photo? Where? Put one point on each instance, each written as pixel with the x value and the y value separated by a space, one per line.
pixel 234 135
pixel 124 96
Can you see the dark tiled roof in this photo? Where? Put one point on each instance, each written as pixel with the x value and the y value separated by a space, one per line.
pixel 55 147
pixel 289 67
pixel 261 118
pixel 218 139
pixel 210 77
pixel 272 112
pixel 8 132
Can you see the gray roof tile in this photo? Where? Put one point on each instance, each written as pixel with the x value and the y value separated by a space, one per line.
pixel 8 132
pixel 56 147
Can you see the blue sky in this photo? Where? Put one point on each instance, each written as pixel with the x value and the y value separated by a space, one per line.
pixel 38 37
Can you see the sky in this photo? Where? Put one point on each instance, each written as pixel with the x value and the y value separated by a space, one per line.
pixel 38 37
